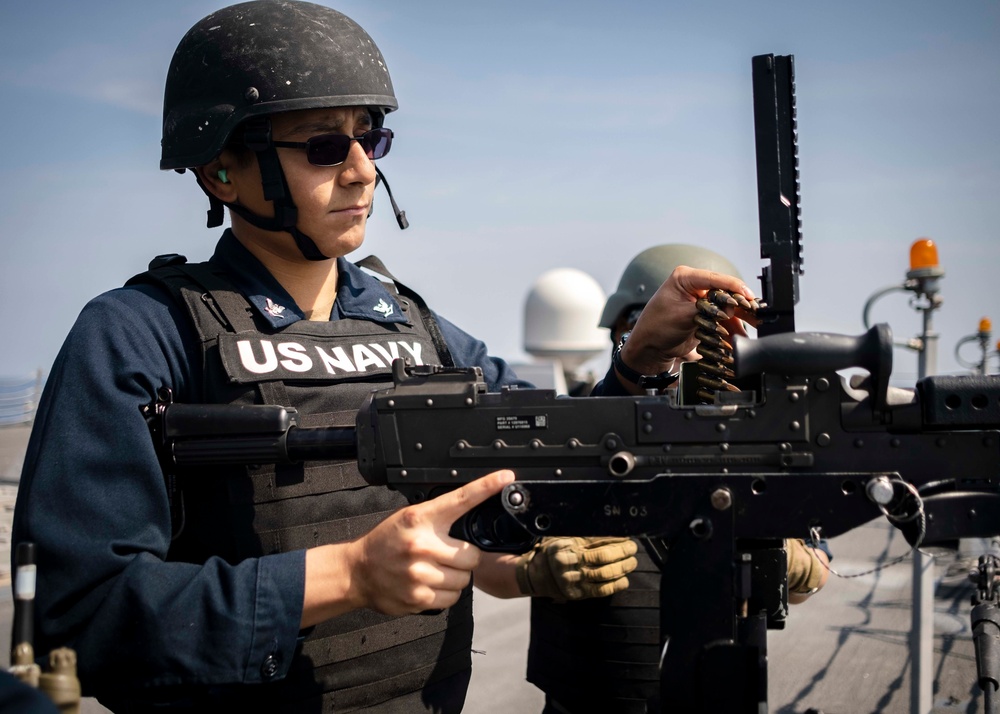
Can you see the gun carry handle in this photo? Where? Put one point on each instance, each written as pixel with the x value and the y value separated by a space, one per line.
pixel 805 353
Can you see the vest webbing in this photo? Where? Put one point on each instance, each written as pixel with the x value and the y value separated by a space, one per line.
pixel 613 642
pixel 364 658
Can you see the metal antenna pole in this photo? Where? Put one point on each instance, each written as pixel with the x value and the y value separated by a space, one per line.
pixel 922 611
pixel 922 279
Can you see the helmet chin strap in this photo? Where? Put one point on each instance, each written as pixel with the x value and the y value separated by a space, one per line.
pixel 257 137
pixel 305 244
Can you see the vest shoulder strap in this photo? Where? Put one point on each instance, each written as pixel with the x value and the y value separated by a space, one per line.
pixel 373 264
pixel 192 284
pixel 199 287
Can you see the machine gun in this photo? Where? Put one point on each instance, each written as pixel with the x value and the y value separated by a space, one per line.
pixel 806 452
pixel 800 451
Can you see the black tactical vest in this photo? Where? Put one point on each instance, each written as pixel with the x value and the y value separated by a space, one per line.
pixel 325 370
pixel 613 642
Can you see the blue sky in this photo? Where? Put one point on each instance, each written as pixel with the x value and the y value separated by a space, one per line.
pixel 536 135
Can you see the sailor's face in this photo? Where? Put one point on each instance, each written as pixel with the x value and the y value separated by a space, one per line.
pixel 332 201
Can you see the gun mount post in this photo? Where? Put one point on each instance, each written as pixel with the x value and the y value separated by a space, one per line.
pixel 985 619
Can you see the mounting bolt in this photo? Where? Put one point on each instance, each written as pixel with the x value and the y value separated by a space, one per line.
pixel 515 498
pixel 880 490
pixel 722 499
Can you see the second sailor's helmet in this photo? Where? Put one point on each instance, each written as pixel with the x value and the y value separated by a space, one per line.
pixel 647 271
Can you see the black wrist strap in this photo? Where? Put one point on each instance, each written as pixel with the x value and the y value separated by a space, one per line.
pixel 644 381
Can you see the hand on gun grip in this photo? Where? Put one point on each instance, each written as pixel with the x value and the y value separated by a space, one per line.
pixel 805 572
pixel 576 568
pixel 410 563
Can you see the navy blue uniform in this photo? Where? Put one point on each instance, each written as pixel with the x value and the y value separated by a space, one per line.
pixel 92 494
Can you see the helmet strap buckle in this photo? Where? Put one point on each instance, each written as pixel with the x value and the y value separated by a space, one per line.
pixel 257 138
pixel 257 134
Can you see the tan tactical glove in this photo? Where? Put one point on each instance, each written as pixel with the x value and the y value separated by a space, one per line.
pixel 576 568
pixel 804 569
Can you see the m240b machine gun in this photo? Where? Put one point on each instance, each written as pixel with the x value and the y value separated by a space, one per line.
pixel 800 451
pixel 804 453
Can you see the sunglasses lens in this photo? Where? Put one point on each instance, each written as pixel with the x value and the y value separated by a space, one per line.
pixel 332 149
pixel 328 149
pixel 376 143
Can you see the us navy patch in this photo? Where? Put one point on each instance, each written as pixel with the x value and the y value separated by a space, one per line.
pixel 248 358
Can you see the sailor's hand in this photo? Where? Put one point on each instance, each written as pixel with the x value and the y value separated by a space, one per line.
pixel 576 568
pixel 666 327
pixel 806 571
pixel 409 563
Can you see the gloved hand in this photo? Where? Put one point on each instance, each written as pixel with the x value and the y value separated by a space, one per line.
pixel 576 568
pixel 805 572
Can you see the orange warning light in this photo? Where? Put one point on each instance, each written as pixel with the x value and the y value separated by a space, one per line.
pixel 923 254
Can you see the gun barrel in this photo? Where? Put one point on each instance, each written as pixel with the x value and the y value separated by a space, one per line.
pixel 319 443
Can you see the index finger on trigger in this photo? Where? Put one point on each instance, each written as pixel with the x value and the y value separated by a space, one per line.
pixel 454 504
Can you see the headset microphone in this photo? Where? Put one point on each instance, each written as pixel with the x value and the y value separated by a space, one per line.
pixel 400 215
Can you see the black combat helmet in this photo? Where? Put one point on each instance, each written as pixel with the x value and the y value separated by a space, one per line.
pixel 264 57
pixel 245 62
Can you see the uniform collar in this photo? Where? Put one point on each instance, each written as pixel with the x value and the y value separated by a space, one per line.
pixel 359 295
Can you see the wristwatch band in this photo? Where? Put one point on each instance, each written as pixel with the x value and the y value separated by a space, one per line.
pixel 643 381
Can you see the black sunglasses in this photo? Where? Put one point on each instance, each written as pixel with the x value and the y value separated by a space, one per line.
pixel 332 149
